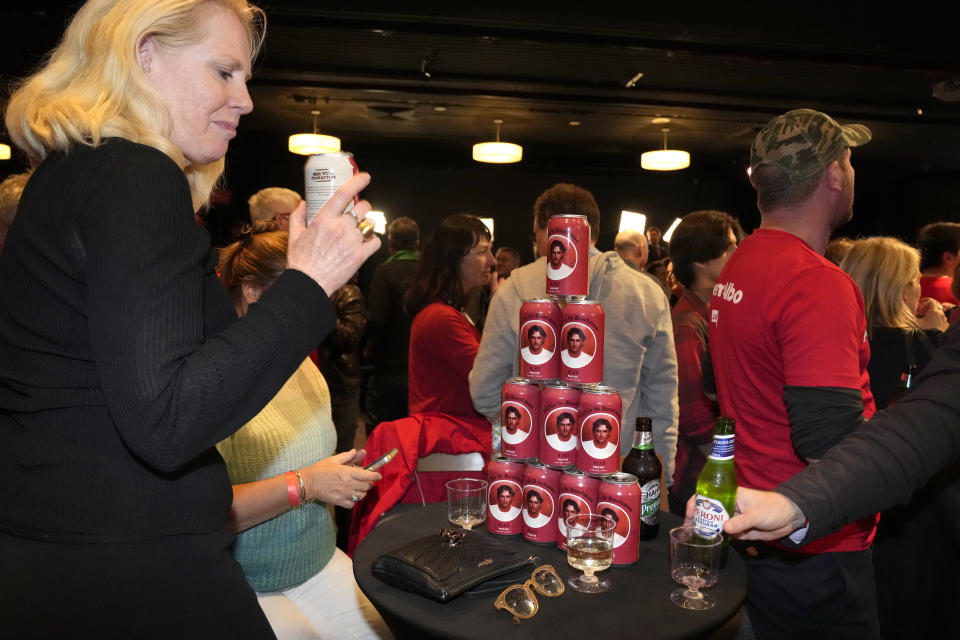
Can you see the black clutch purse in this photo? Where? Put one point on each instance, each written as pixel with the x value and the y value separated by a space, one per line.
pixel 443 565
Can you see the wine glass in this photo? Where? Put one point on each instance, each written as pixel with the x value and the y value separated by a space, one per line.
pixel 467 502
pixel 589 549
pixel 694 563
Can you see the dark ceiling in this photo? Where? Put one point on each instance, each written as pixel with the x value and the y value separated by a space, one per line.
pixel 438 78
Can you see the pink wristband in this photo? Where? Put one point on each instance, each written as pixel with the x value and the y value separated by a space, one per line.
pixel 293 489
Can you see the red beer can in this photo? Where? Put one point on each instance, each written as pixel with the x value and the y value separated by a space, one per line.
pixel 540 339
pixel 519 418
pixel 581 353
pixel 323 174
pixel 558 424
pixel 598 427
pixel 619 500
pixel 541 485
pixel 578 495
pixel 568 255
pixel 505 496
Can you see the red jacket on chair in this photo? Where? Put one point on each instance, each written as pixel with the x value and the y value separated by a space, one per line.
pixel 416 437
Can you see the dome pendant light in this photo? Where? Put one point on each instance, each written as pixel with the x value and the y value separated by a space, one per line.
pixel 308 144
pixel 665 159
pixel 497 152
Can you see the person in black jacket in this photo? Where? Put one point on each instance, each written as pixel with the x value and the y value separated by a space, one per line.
pixel 879 465
pixel 122 361
pixel 389 324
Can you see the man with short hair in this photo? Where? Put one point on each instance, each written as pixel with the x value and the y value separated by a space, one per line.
pixel 274 203
pixel 631 246
pixel 788 343
pixel 939 245
pixel 563 439
pixel 600 446
pixel 657 249
pixel 639 357
pixel 573 356
pixel 505 510
pixel 389 325
pixel 531 515
pixel 556 269
pixel 570 508
pixel 534 352
pixel 507 259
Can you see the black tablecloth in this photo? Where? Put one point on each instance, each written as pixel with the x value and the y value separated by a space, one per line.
pixel 638 605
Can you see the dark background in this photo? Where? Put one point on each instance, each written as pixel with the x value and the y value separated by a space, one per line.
pixel 718 72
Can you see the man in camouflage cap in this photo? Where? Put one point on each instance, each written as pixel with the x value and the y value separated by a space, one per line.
pixel 788 344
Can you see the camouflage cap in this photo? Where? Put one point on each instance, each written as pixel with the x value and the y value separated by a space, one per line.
pixel 797 145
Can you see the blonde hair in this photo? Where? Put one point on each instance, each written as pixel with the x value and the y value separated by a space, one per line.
pixel 883 267
pixel 260 255
pixel 92 87
pixel 10 191
pixel 266 203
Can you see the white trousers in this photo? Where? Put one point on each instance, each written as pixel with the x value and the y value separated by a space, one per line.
pixel 329 605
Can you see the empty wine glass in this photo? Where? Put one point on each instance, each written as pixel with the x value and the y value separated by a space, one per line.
pixel 467 502
pixel 694 563
pixel 589 549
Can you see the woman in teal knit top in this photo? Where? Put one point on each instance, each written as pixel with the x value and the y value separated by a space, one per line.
pixel 284 457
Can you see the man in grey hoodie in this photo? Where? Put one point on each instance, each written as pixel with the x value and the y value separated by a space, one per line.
pixel 638 353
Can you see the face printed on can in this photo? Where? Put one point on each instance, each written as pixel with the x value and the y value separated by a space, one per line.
pixel 534 502
pixel 511 419
pixel 565 426
pixel 610 517
pixel 570 508
pixel 557 253
pixel 535 339
pixel 575 340
pixel 504 498
pixel 601 432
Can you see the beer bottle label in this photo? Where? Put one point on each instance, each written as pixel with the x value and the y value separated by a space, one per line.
pixel 650 502
pixel 710 516
pixel 722 448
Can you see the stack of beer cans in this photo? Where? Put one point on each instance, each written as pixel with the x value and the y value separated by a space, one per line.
pixel 559 426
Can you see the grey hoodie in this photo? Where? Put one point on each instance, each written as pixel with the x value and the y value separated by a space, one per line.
pixel 638 354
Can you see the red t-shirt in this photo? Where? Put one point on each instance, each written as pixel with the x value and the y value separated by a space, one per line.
pixel 443 346
pixel 782 315
pixel 938 288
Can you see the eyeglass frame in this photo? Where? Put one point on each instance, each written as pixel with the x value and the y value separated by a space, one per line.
pixel 501 602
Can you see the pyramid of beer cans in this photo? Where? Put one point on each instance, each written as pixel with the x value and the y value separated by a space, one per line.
pixel 560 427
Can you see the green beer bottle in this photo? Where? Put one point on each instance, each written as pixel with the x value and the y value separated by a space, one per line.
pixel 717 484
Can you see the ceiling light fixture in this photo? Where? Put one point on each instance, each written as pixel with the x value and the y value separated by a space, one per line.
pixel 308 144
pixel 4 152
pixel 665 159
pixel 497 152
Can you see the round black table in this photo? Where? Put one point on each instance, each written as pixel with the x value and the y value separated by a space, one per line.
pixel 638 605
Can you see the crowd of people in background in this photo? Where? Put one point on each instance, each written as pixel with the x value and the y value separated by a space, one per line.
pixel 166 403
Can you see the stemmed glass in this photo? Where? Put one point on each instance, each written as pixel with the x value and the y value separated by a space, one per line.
pixel 467 502
pixel 589 549
pixel 694 563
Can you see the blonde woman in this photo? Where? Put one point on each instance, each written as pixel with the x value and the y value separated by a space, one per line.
pixel 903 329
pixel 122 361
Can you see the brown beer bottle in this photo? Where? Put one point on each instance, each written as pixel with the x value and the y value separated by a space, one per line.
pixel 643 463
